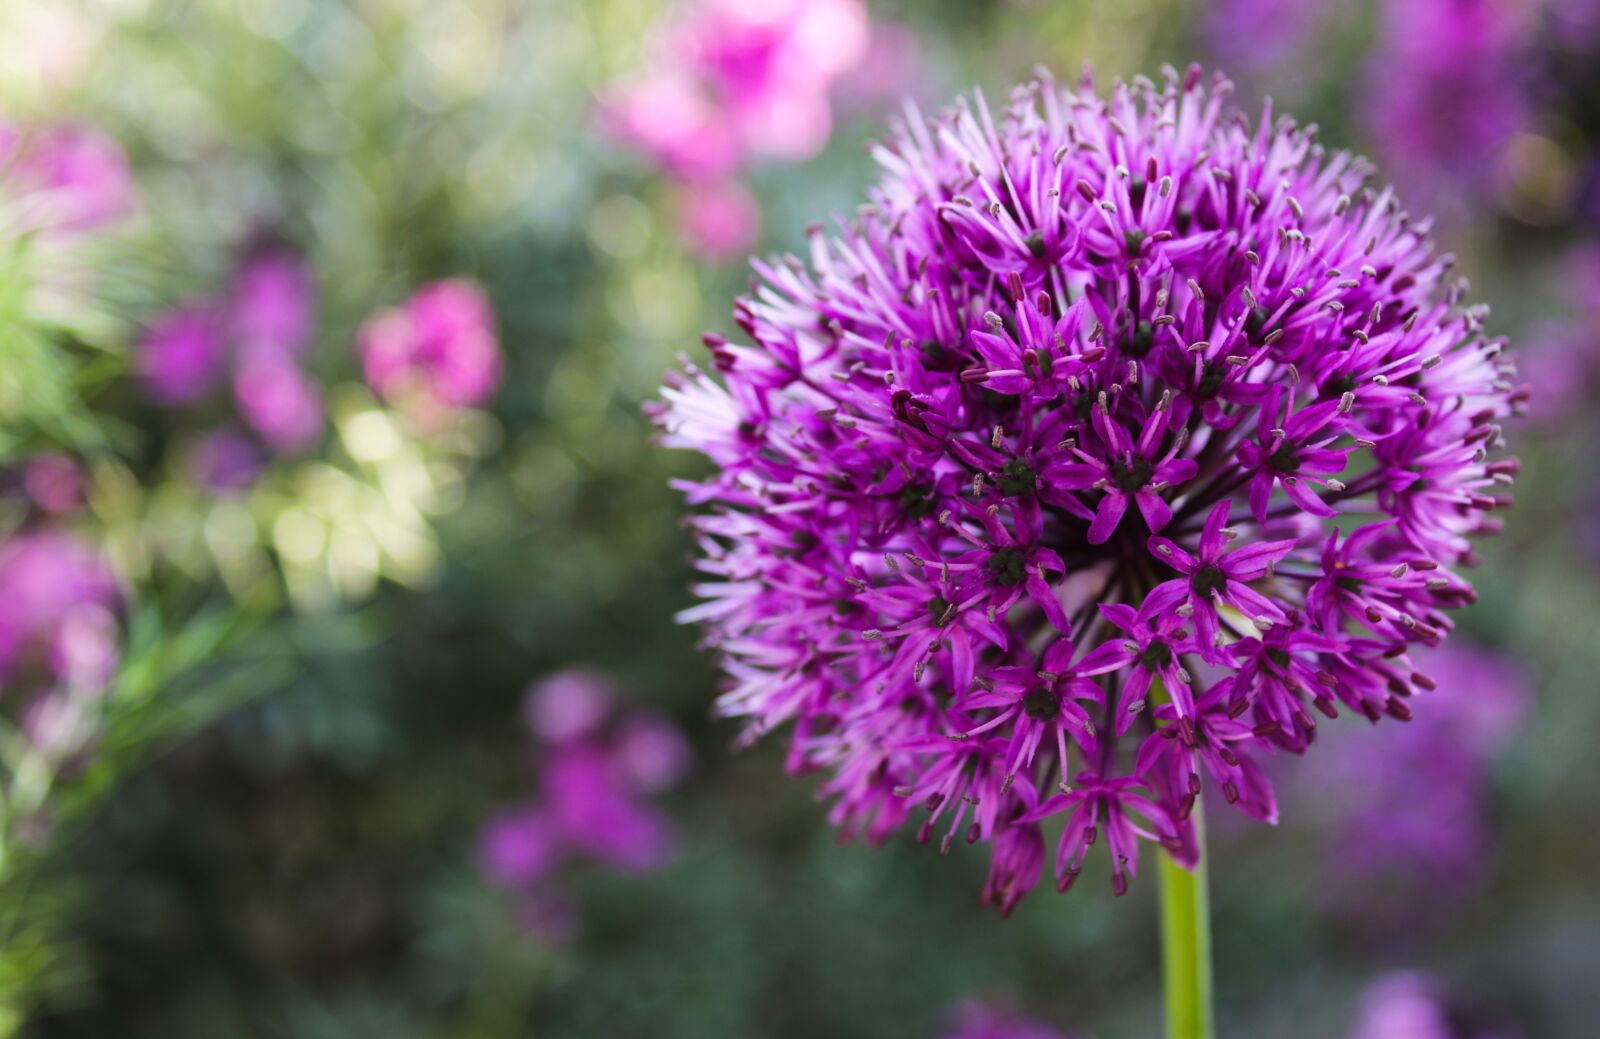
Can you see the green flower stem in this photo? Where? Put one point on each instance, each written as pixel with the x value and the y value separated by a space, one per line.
pixel 1186 945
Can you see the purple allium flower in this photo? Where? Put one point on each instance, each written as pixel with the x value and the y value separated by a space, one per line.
pixel 980 1021
pixel 1444 89
pixel 72 177
pixel 437 352
pixel 1410 1005
pixel 1056 330
pixel 597 767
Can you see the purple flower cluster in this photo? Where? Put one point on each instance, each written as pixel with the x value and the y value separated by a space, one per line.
pixel 59 632
pixel 255 338
pixel 1113 445
pixel 436 353
pixel 731 81
pixel 596 768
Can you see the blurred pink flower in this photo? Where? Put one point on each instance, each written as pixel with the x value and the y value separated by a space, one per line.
pixel 731 79
pixel 718 221
pixel 651 754
pixel 279 401
pixel 54 483
pixel 568 705
pixel 272 302
pixel 71 176
pixel 58 603
pixel 1411 1006
pixel 596 769
pixel 519 847
pixel 255 335
pixel 436 352
pixel 670 118
pixel 596 812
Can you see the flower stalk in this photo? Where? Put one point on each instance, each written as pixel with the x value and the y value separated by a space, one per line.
pixel 1186 944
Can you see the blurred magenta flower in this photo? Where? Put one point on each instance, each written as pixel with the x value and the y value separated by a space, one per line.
pixel 182 354
pixel 279 401
pixel 435 353
pixel 59 635
pixel 271 302
pixel 255 336
pixel 70 177
pixel 1412 1006
pixel 1023 484
pixel 596 767
pixel 1446 89
pixel 981 1021
pixel 719 221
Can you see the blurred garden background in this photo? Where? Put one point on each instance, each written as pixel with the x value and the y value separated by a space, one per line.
pixel 338 549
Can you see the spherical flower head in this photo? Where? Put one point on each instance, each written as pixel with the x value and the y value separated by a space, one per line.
pixel 437 352
pixel 1118 444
